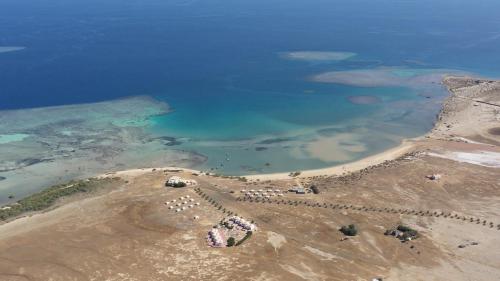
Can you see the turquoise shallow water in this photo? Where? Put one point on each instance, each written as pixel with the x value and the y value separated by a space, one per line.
pixel 256 86
pixel 246 130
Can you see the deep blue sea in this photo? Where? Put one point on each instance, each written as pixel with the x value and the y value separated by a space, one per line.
pixel 223 67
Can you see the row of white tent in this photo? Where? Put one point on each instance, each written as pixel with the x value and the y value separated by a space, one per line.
pixel 184 207
pixel 262 190
pixel 185 198
pixel 180 203
pixel 266 195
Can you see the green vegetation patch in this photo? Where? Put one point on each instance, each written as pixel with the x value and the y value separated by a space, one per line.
pixel 350 230
pixel 231 241
pixel 403 233
pixel 315 189
pixel 46 198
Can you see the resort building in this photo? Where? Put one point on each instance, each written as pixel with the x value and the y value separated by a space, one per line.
pixel 215 238
pixel 243 223
pixel 176 181
pixel 298 190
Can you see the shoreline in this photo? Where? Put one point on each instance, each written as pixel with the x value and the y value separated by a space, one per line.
pixel 140 171
pixel 448 109
pixel 440 127
pixel 445 128
pixel 403 148
pixel 406 146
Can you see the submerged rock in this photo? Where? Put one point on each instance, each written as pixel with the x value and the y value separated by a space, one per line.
pixel 364 99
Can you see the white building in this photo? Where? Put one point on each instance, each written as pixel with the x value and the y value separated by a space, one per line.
pixel 243 223
pixel 215 238
pixel 176 180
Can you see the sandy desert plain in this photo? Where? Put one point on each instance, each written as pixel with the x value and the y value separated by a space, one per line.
pixel 125 231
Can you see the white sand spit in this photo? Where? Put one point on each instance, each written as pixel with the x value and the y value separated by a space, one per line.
pixel 482 158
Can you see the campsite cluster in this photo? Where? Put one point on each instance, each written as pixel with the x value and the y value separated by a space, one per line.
pixel 233 230
pixel 184 203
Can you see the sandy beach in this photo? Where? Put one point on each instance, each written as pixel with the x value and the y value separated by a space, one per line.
pixel 387 155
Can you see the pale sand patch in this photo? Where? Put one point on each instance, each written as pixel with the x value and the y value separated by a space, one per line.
pixel 303 271
pixel 341 147
pixel 383 77
pixel 137 172
pixel 318 55
pixel 6 49
pixel 482 158
pixel 363 100
pixel 390 154
pixel 12 138
pixel 466 140
pixel 323 255
pixel 361 78
pixel 275 239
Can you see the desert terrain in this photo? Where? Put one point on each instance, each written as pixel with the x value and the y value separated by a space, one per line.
pixel 445 185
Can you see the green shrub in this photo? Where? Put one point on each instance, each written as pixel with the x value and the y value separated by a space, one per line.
pixel 315 189
pixel 349 230
pixel 404 228
pixel 230 242
pixel 408 232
